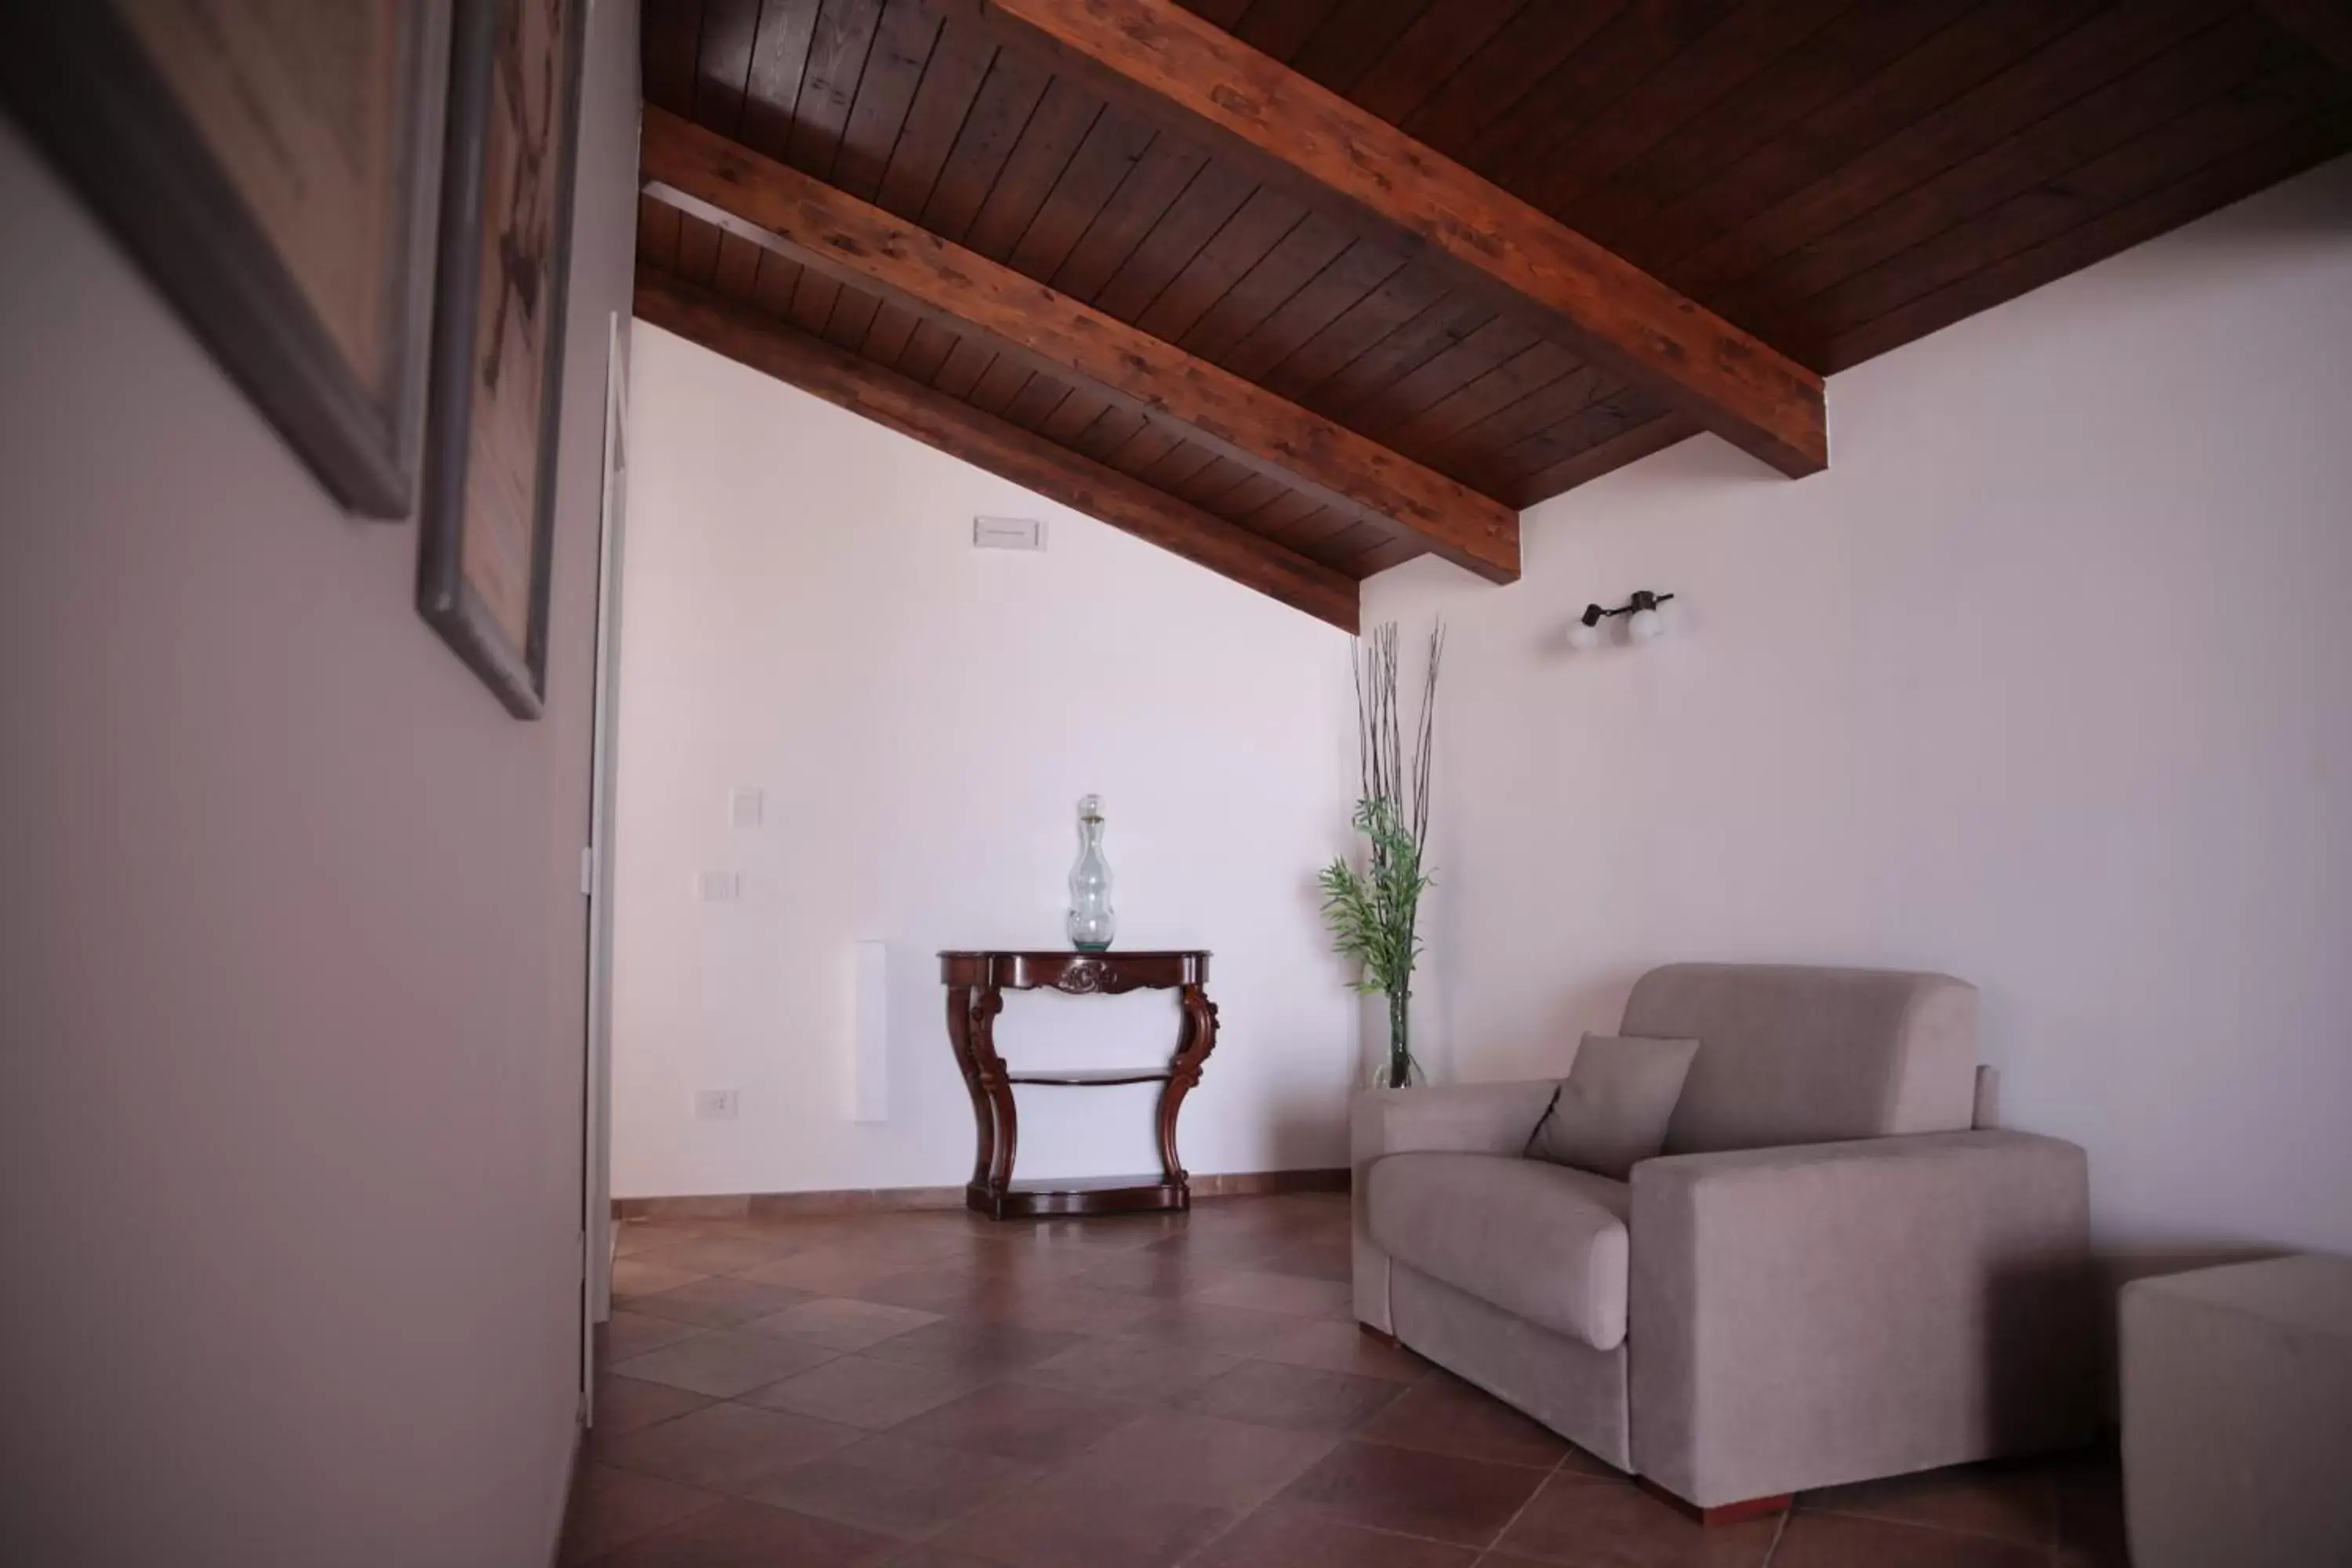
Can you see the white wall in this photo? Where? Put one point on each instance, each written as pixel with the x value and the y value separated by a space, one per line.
pixel 290 956
pixel 2047 682
pixel 807 615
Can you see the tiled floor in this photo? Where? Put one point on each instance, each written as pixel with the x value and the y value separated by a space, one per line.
pixel 936 1391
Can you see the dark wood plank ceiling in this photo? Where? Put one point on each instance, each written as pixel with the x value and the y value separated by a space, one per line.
pixel 1837 177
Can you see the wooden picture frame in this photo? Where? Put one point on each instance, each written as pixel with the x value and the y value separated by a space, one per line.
pixel 275 177
pixel 487 524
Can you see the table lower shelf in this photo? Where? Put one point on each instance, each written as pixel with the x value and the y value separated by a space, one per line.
pixel 1076 1077
pixel 1051 1197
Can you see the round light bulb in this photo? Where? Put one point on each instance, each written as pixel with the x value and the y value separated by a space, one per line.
pixel 1647 623
pixel 1582 635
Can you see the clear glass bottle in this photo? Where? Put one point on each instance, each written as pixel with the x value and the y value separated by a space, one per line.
pixel 1090 916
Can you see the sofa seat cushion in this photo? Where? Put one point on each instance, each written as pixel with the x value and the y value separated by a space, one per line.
pixel 1543 1242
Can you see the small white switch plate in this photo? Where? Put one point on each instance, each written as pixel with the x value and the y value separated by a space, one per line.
pixel 1008 533
pixel 744 806
pixel 719 887
pixel 717 1104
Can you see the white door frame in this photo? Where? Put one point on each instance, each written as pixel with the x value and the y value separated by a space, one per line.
pixel 597 872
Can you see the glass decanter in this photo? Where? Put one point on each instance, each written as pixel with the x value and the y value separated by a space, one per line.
pixel 1090 919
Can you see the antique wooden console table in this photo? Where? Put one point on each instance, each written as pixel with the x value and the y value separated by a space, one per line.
pixel 976 983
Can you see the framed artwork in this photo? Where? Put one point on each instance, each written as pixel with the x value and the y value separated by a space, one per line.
pixel 271 164
pixel 488 517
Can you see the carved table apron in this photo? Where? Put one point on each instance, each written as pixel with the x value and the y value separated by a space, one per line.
pixel 976 983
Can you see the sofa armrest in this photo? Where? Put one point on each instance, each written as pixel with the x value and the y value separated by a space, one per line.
pixel 1803 1317
pixel 1455 1118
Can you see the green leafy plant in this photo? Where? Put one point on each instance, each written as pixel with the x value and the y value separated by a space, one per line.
pixel 1374 912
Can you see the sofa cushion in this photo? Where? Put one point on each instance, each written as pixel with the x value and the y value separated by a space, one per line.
pixel 1794 1054
pixel 1543 1242
pixel 1609 1113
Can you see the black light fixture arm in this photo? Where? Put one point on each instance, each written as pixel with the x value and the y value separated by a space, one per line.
pixel 1594 615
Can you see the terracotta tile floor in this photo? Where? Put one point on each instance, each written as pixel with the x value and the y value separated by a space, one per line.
pixel 936 1391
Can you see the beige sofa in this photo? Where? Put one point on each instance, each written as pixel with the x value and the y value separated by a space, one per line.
pixel 1837 1270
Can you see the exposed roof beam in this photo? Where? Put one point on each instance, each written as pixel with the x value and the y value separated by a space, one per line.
pixel 1158 57
pixel 856 243
pixel 759 340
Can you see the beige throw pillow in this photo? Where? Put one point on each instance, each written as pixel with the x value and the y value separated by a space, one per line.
pixel 1611 1109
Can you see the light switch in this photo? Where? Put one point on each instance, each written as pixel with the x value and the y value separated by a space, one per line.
pixel 719 887
pixel 744 806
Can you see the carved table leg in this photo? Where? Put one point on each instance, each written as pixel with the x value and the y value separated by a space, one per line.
pixel 971 1029
pixel 960 1002
pixel 1195 1041
pixel 986 1003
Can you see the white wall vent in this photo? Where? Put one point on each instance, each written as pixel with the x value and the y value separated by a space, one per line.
pixel 1008 533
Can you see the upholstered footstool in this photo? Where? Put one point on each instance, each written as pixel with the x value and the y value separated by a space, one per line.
pixel 2237 1404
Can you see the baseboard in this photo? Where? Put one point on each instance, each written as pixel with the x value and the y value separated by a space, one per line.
pixel 1266 1184
pixel 899 1200
pixel 782 1206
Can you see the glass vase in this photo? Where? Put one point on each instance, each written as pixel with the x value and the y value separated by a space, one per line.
pixel 1391 1035
pixel 1090 918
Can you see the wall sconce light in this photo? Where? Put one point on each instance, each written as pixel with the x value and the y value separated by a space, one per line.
pixel 1585 630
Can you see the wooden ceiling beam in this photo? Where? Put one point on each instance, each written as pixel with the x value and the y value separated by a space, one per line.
pixel 1154 57
pixel 2324 26
pixel 856 243
pixel 848 381
pixel 1606 456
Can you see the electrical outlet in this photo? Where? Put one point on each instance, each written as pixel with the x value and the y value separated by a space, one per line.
pixel 717 1104
pixel 719 887
pixel 744 806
